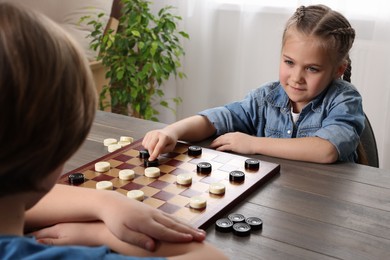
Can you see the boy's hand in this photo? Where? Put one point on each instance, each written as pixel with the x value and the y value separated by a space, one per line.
pixel 139 224
pixel 97 234
pixel 84 233
pixel 158 142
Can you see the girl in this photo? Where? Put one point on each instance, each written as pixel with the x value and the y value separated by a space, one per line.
pixel 310 114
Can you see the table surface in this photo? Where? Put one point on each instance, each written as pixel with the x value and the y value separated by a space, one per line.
pixel 309 211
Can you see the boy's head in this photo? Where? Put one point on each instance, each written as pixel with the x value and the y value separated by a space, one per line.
pixel 47 98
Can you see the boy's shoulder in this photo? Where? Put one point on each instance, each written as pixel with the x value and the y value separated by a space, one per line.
pixel 15 247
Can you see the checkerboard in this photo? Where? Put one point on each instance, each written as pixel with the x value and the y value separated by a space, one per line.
pixel 165 194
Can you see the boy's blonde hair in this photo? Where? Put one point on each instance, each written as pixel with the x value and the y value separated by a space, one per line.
pixel 47 98
pixel 334 30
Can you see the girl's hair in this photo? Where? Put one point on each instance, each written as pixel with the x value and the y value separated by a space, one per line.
pixel 47 100
pixel 331 27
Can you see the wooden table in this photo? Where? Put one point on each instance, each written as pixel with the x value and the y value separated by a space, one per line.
pixel 309 211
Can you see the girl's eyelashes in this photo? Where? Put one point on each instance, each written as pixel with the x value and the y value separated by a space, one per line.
pixel 309 68
pixel 313 69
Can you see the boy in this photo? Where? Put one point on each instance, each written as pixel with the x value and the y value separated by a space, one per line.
pixel 47 105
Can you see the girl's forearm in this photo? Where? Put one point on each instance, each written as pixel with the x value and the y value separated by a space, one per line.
pixel 193 129
pixel 310 149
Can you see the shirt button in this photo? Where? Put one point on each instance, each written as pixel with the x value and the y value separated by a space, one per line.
pixel 289 132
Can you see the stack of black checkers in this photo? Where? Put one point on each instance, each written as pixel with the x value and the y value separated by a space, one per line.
pixel 238 224
pixel 144 154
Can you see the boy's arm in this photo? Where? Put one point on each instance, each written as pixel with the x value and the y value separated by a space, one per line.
pixel 97 234
pixel 192 129
pixel 129 220
pixel 310 149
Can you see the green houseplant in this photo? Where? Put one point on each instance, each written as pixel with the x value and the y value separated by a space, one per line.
pixel 139 57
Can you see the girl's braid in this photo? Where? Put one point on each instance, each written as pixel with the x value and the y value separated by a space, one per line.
pixel 300 14
pixel 346 36
pixel 348 71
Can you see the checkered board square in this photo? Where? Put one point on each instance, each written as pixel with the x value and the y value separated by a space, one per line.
pixel 165 194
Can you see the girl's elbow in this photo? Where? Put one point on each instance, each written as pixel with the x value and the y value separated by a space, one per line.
pixel 326 153
pixel 330 155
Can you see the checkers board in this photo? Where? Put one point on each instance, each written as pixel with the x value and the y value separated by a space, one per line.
pixel 163 192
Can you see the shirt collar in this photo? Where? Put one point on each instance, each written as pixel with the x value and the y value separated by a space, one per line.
pixel 277 97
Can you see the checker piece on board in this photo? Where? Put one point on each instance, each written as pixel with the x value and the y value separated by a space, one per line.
pixel 126 174
pixel 144 154
pixel 184 179
pixel 104 185
pixel 194 150
pixel 76 178
pixel 203 167
pixel 252 164
pixel 236 176
pixel 136 194
pixel 217 188
pixel 154 163
pixel 102 166
pixel 152 172
pixel 198 202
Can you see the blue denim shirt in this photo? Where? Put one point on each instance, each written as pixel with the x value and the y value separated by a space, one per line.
pixel 335 115
pixel 16 247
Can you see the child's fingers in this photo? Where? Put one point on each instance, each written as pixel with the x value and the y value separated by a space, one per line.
pixel 50 232
pixel 146 142
pixel 137 239
pixel 53 241
pixel 174 224
pixel 157 149
pixel 166 228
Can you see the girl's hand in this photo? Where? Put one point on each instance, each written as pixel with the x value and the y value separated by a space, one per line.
pixel 158 142
pixel 235 142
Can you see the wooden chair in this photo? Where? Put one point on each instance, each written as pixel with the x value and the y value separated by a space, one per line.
pixel 367 149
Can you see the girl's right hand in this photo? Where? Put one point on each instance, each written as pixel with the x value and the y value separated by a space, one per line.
pixel 158 142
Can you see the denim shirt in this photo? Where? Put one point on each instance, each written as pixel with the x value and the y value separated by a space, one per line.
pixel 16 247
pixel 335 115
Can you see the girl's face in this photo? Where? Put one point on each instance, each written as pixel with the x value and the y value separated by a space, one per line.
pixel 305 69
